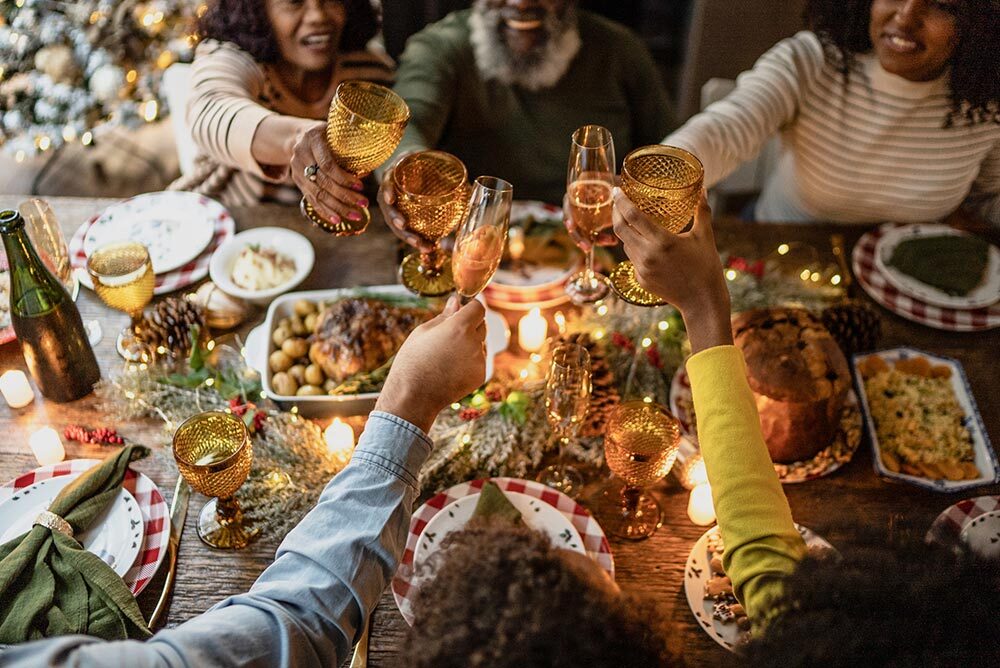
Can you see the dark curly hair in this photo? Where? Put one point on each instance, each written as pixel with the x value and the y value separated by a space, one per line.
pixel 245 24
pixel 842 25
pixel 502 597
pixel 890 604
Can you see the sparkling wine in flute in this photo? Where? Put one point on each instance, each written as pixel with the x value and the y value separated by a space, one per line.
pixel 590 206
pixel 475 260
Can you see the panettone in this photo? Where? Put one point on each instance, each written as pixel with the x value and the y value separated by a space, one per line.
pixel 799 377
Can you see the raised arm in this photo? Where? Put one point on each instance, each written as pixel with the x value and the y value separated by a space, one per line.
pixel 762 544
pixel 308 607
pixel 765 99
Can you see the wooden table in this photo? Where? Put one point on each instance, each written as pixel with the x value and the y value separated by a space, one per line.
pixel 837 507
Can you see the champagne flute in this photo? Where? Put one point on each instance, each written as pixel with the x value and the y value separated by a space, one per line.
pixel 47 237
pixel 364 127
pixel 482 236
pixel 567 399
pixel 589 180
pixel 664 182
pixel 213 452
pixel 431 193
pixel 640 446
pixel 124 280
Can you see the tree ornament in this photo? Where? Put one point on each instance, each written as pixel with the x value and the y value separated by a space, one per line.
pixel 854 324
pixel 58 63
pixel 165 330
pixel 106 83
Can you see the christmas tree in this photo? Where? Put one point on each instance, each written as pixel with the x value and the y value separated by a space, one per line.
pixel 70 71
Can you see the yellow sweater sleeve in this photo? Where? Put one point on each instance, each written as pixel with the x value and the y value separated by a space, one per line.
pixel 762 544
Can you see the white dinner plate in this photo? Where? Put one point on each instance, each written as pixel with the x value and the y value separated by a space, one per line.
pixel 986 293
pixel 698 571
pixel 537 515
pixel 174 226
pixel 116 536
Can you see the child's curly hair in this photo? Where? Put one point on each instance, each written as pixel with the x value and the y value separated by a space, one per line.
pixel 503 597
pixel 842 25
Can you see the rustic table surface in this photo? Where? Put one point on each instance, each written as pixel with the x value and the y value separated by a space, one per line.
pixel 837 506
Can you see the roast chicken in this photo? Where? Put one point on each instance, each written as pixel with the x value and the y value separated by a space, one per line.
pixel 356 335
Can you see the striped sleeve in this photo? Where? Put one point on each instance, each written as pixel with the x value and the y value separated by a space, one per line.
pixel 223 113
pixel 366 65
pixel 766 98
pixel 984 197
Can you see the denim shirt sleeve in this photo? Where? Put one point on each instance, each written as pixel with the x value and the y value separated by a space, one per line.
pixel 308 607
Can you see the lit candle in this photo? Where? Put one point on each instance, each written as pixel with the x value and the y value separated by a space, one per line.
pixel 701 510
pixel 339 438
pixel 532 331
pixel 15 389
pixel 47 446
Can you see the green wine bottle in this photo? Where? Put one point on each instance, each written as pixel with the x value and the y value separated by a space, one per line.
pixel 46 321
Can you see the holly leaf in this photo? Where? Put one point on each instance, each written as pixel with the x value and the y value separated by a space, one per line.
pixel 197 358
pixel 515 408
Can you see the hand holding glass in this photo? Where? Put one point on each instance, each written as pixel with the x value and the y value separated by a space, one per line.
pixel 482 236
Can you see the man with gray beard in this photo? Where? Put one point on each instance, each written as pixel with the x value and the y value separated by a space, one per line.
pixel 503 86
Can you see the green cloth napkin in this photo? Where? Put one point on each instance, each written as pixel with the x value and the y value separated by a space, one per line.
pixel 493 503
pixel 51 586
pixel 953 264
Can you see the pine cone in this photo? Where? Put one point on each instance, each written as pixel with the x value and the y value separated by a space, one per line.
pixel 854 324
pixel 165 330
pixel 604 393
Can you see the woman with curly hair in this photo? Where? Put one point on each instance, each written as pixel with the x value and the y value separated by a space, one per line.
pixel 887 110
pixel 263 78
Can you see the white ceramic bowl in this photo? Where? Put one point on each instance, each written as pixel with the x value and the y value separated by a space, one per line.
pixel 287 242
pixel 259 347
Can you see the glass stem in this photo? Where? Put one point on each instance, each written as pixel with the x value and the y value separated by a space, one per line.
pixel 590 266
pixel 228 510
pixel 563 444
pixel 630 498
pixel 431 262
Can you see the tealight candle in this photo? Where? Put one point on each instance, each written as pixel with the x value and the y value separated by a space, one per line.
pixel 15 389
pixel 47 446
pixel 532 331
pixel 339 438
pixel 701 510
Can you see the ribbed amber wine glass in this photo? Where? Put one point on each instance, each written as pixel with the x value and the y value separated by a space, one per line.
pixel 123 278
pixel 640 445
pixel 214 453
pixel 364 127
pixel 664 182
pixel 432 194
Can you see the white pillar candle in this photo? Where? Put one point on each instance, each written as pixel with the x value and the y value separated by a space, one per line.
pixel 532 331
pixel 47 446
pixel 15 389
pixel 701 510
pixel 339 438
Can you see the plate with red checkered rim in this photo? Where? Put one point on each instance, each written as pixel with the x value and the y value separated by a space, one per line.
pixel 947 529
pixel 154 510
pixel 882 291
pixel 594 541
pixel 823 463
pixel 193 271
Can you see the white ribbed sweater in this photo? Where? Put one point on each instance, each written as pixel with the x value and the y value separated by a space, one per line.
pixel 873 149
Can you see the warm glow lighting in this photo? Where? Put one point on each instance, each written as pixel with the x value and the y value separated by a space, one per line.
pixel 648 400
pixel 148 19
pixel 602 309
pixel 835 279
pixel 15 389
pixel 598 334
pixel 664 325
pixel 131 76
pixel 805 274
pixel 339 438
pixel 466 439
pixel 814 277
pixel 151 108
pixel 69 133
pixel 456 406
pixel 523 374
pixel 783 249
pixel 647 342
pixel 44 143
pixel 19 156
pixel 87 138
pixel 700 508
pixel 532 331
pixel 535 357
pixel 730 274
pixel 560 321
pixel 47 446
pixel 165 59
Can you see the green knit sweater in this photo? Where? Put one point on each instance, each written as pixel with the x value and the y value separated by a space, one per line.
pixel 520 135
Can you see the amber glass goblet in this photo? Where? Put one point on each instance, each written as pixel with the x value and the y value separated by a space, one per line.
pixel 213 452
pixel 364 127
pixel 640 445
pixel 431 193
pixel 664 182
